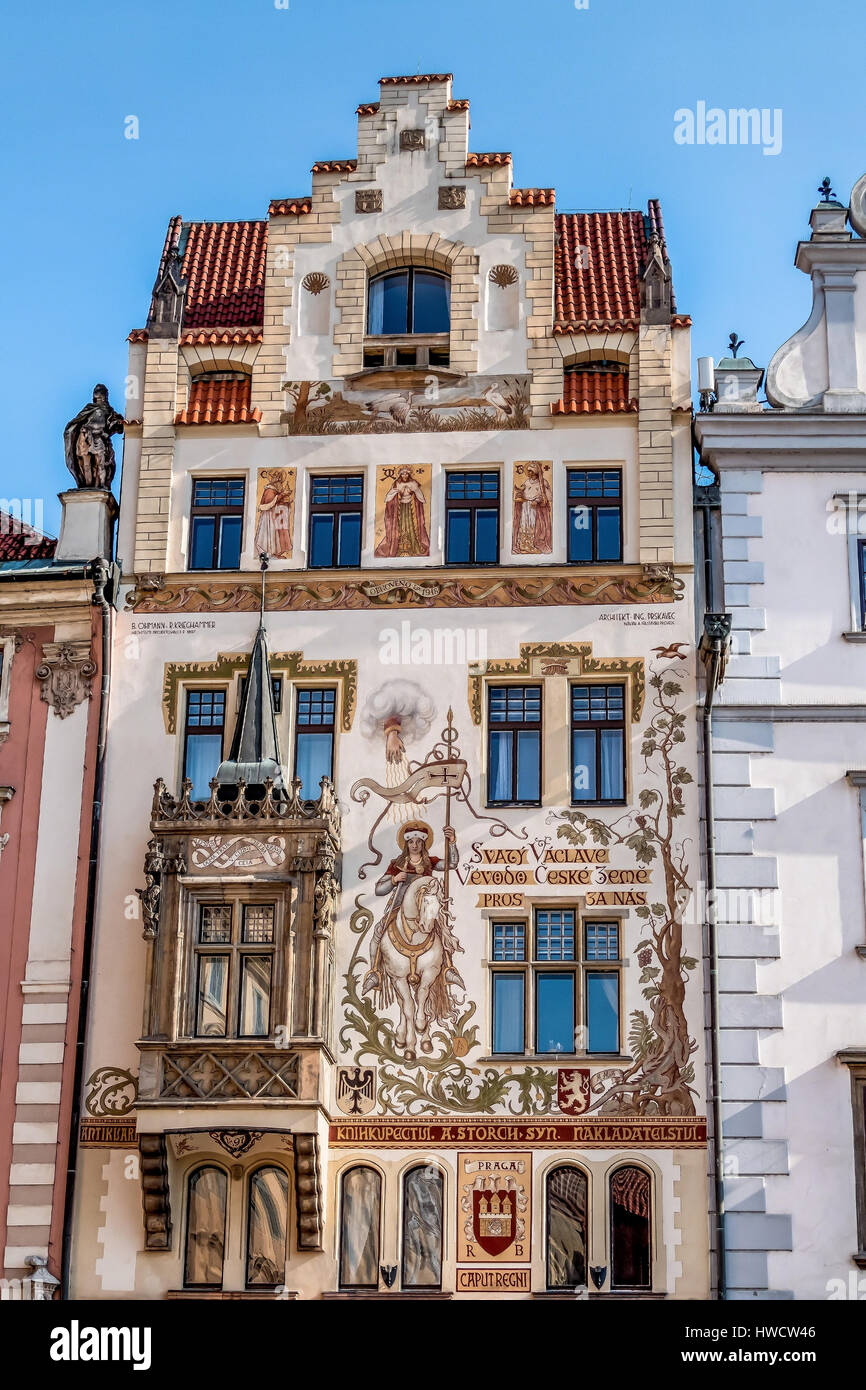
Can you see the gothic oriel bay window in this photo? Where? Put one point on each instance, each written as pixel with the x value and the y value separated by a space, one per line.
pixel 567 1228
pixel 630 1242
pixel 422 1228
pixel 360 1218
pixel 233 969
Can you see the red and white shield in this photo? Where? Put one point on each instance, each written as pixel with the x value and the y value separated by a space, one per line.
pixel 494 1218
pixel 572 1091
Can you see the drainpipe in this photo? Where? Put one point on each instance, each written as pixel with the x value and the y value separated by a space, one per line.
pixel 104 576
pixel 713 651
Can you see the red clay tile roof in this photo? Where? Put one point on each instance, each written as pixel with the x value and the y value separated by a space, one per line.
pixel 138 335
pixel 18 541
pixel 218 403
pixel 500 157
pixel 224 262
pixel 290 207
pixel 209 337
pixel 334 166
pixel 599 260
pixel 367 108
pixel 224 265
pixel 532 197
pixel 458 104
pixel 415 79
pixel 594 393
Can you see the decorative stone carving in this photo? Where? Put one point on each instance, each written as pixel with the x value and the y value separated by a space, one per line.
pixel 503 276
pixel 236 1141
pixel 315 282
pixel 166 306
pixel 368 200
pixel 656 286
pixel 236 1074
pixel 308 1190
pixel 87 442
pixel 156 863
pixel 65 673
pixel 238 852
pixel 452 196
pixel 155 1196
pixel 111 1091
pixel 412 140
pixel 325 895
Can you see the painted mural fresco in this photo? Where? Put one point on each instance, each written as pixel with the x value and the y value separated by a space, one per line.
pixel 532 532
pixel 275 512
pixel 403 511
pixel 407 1014
pixel 392 403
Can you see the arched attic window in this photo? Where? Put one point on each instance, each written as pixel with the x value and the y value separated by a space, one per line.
pixel 408 318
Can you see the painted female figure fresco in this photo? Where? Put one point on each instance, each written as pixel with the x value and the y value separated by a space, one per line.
pixel 532 520
pixel 405 524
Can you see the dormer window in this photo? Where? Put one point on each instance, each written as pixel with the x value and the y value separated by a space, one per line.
pixel 408 319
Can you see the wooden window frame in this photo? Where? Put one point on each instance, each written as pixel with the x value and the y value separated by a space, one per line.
pixel 593 505
pixel 515 727
pixel 218 511
pixel 473 505
pixel 299 728
pixel 631 1288
pixel 238 897
pixel 596 726
pixel 335 509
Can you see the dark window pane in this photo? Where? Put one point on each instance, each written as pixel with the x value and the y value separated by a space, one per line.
pixel 528 765
pixel 508 992
pixel 554 934
pixel 349 552
pixel 554 1000
pixel 579 535
pixel 316 707
pixel 602 941
pixel 430 312
pixel 612 782
pixel 388 301
pixel 457 542
pixel 206 1228
pixel 509 941
pixel 500 770
pixel 313 761
pixel 255 997
pixel 202 543
pixel 630 1229
pixel 486 537
pixel 566 1228
pixel 267 1224
pixel 229 557
pixel 203 756
pixel 583 765
pixel 359 1229
pixel 215 923
pixel 422 1229
pixel 322 540
pixel 602 1011
pixel 609 533
pixel 212 999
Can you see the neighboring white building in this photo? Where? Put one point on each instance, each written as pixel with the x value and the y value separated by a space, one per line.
pixel 789 734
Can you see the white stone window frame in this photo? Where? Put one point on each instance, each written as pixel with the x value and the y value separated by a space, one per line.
pixel 855 501
pixel 7 649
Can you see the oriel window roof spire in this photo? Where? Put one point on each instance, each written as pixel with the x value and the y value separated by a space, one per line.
pixel 255 751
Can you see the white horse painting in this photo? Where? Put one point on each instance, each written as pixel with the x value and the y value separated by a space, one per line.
pixel 414 960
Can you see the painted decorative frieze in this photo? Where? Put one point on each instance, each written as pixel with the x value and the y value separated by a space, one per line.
pixel 388 404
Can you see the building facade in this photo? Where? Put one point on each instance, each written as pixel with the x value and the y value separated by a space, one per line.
pixel 789 756
pixel 53 639
pixel 397 968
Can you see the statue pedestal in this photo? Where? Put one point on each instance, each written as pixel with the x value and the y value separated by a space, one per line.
pixel 87 526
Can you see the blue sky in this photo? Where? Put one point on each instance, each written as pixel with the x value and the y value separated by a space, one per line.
pixel 235 99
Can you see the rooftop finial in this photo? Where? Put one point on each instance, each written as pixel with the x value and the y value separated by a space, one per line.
pixel 826 191
pixel 735 342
